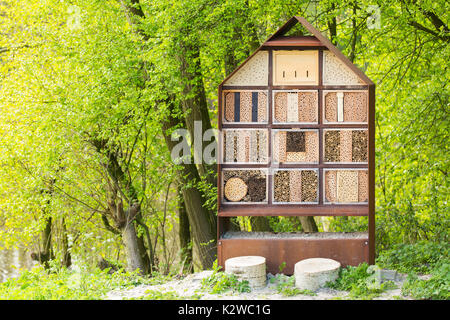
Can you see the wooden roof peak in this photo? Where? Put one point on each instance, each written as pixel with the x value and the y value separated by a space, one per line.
pixel 316 40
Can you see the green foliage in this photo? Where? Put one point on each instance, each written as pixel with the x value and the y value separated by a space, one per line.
pixel 360 282
pixel 78 72
pixel 221 282
pixel 436 288
pixel 285 286
pixel 63 284
pixel 420 257
pixel 158 295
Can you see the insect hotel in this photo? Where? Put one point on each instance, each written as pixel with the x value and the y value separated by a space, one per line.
pixel 296 122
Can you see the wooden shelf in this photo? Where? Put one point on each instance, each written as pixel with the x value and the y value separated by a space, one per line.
pixel 293 210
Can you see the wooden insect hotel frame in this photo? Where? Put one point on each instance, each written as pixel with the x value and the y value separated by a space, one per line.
pixel 297 138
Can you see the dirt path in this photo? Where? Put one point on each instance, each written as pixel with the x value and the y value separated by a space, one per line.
pixel 190 287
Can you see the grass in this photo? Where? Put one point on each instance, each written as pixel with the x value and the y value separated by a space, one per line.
pixel 285 286
pixel 421 257
pixel 435 288
pixel 64 284
pixel 360 282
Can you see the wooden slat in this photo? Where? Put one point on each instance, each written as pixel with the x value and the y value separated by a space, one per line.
pixel 302 41
pixel 236 210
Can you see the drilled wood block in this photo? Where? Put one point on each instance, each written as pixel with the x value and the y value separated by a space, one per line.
pixel 355 106
pixel 281 107
pixel 288 145
pixel 345 145
pixel 229 107
pixel 282 154
pixel 292 107
pixel 245 146
pixel 235 189
pixel 295 188
pixel 330 186
pixel 308 106
pixel 246 106
pixel 312 146
pixel 258 176
pixel 331 107
pixel 242 146
pixel 363 185
pixel 262 107
pixel 258 146
pixel 347 186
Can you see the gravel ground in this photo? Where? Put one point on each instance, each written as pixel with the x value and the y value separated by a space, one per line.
pixel 191 286
pixel 296 235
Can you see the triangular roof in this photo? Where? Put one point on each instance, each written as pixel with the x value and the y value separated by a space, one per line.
pixel 315 41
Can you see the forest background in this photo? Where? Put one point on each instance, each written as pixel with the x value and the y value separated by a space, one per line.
pixel 90 92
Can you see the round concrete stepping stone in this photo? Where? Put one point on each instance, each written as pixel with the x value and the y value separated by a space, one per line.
pixel 250 268
pixel 312 274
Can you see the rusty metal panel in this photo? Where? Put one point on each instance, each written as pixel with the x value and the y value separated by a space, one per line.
pixel 276 251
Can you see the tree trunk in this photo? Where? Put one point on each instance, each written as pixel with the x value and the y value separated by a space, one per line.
pixel 308 224
pixel 184 234
pixel 332 25
pixel 260 224
pixel 195 107
pixel 202 221
pixel 45 252
pixel 132 250
pixel 67 257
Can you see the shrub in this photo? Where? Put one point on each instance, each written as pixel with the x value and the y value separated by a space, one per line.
pixel 420 257
pixel 435 288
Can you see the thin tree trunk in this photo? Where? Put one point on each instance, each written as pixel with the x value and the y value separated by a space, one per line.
pixel 45 252
pixel 332 25
pixel 67 257
pixel 132 250
pixel 184 234
pixel 260 224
